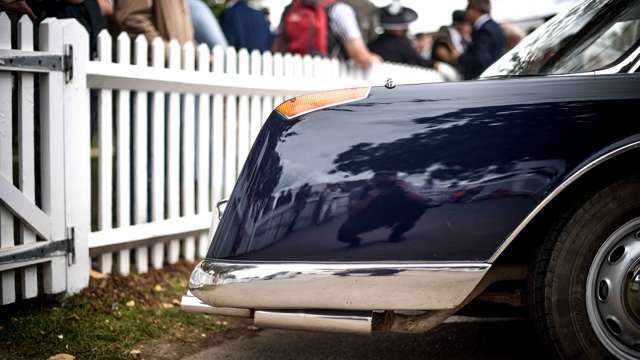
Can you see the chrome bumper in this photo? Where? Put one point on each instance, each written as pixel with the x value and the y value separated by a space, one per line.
pixel 191 303
pixel 343 286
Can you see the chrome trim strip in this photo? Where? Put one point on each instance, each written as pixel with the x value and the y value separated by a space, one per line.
pixel 190 303
pixel 324 321
pixel 335 286
pixel 616 69
pixel 570 180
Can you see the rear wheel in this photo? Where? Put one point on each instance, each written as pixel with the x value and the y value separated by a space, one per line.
pixel 585 280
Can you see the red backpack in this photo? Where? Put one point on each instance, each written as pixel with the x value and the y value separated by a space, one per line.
pixel 306 27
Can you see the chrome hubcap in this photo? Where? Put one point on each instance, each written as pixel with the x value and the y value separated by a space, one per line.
pixel 613 292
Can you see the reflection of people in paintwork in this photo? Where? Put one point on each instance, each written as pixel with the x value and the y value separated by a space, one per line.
pixel 299 203
pixel 326 204
pixel 282 199
pixel 384 201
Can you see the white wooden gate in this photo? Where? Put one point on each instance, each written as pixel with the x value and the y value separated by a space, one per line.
pixel 44 175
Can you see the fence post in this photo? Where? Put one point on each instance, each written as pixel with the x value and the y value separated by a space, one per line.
pixel 26 133
pixel 6 161
pixel 52 153
pixel 230 127
pixel 188 153
pixel 244 129
pixel 173 154
pixel 77 147
pixel 203 155
pixel 267 72
pixel 256 105
pixel 123 155
pixel 157 153
pixel 140 164
pixel 217 133
pixel 105 150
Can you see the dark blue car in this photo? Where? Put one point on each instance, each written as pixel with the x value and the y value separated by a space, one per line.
pixel 394 208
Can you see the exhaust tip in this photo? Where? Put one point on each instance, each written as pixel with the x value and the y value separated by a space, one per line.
pixel 342 322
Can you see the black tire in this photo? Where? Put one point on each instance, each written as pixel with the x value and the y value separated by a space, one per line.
pixel 558 272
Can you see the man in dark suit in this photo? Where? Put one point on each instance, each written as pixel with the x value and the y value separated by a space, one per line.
pixel 487 40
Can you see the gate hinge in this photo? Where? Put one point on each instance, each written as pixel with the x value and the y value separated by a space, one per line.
pixel 30 61
pixel 38 61
pixel 36 251
pixel 67 63
pixel 71 245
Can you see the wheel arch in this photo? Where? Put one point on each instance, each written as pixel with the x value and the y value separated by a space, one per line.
pixel 602 169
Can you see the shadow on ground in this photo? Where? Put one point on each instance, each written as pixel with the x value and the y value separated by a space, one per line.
pixel 452 341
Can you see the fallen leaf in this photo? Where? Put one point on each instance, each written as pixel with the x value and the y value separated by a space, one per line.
pixel 158 288
pixel 74 317
pixel 62 356
pixel 175 302
pixel 97 275
pixel 167 305
pixel 135 353
pixel 131 303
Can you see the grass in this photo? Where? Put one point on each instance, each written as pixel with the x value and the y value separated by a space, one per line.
pixel 107 320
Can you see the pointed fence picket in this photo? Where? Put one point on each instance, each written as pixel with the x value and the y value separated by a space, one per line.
pixel 174 125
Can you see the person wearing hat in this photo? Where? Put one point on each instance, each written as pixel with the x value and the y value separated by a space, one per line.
pixel 393 45
pixel 451 41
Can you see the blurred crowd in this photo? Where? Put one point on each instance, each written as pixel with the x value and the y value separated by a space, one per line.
pixel 348 29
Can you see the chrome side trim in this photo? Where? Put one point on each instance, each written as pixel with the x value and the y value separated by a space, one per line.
pixel 320 321
pixel 570 180
pixel 335 286
pixel 616 69
pixel 190 303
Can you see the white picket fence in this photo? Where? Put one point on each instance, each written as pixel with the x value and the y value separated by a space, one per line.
pixel 173 125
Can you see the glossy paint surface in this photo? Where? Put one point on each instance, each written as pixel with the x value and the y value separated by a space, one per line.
pixel 435 172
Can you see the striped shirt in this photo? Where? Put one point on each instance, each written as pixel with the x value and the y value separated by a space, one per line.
pixel 343 22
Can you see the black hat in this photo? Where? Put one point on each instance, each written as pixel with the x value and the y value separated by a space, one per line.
pixel 458 16
pixel 396 16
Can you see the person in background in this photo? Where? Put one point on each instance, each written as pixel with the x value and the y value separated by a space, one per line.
pixel 393 45
pixel 267 17
pixel 367 17
pixel 451 41
pixel 513 35
pixel 168 19
pixel 324 28
pixel 244 26
pixel 487 40
pixel 17 7
pixel 206 29
pixel 423 43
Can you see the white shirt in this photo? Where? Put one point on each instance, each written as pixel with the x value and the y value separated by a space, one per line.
pixel 456 39
pixel 481 21
pixel 343 22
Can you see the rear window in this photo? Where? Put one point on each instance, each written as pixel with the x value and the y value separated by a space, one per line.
pixel 592 35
